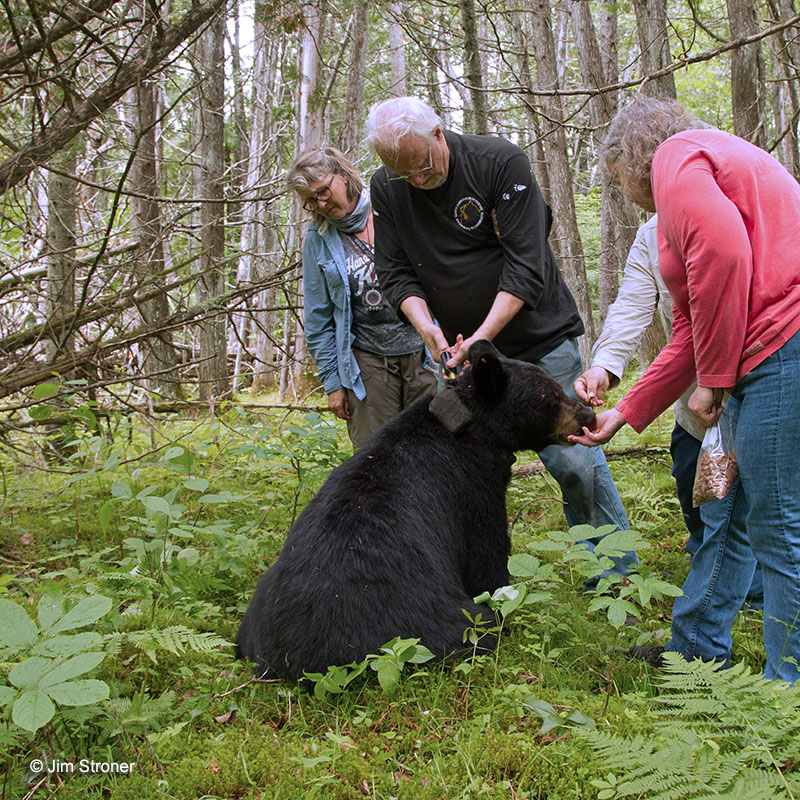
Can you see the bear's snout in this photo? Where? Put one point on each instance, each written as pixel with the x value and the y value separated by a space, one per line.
pixel 574 417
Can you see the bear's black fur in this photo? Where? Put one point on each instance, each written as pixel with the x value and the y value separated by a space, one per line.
pixel 407 531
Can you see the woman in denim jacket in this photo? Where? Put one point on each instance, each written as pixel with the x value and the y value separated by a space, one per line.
pixel 371 365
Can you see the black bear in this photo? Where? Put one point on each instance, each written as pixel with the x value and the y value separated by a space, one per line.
pixel 407 531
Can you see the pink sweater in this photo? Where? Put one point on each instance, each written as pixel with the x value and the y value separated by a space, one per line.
pixel 729 253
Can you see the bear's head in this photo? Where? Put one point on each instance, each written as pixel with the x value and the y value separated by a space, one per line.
pixel 518 405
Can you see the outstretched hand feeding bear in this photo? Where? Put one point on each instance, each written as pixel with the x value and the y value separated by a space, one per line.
pixel 407 531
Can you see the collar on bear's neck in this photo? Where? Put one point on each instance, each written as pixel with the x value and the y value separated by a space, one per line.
pixel 453 413
pixel 451 410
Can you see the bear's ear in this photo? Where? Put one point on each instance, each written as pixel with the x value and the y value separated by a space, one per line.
pixel 488 374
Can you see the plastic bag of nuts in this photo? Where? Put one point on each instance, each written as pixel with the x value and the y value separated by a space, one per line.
pixel 717 471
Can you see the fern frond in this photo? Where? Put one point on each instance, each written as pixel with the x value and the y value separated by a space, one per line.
pixel 175 639
pixel 718 733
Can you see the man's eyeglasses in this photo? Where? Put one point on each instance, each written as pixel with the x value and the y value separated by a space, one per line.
pixel 311 203
pixel 416 172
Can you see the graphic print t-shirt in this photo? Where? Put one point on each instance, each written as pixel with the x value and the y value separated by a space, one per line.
pixel 375 325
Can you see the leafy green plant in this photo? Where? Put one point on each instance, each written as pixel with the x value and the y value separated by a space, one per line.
pixel 717 733
pixel 524 699
pixel 388 664
pixel 309 450
pixel 619 596
pixel 51 658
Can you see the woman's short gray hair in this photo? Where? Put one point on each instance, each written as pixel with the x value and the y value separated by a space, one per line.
pixel 634 135
pixel 390 120
pixel 313 165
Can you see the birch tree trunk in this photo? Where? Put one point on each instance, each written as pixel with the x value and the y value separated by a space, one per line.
pixel 257 237
pixel 651 24
pixel 397 51
pixel 239 150
pixel 213 368
pixel 309 134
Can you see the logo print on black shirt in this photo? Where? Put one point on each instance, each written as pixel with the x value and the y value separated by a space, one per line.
pixel 469 213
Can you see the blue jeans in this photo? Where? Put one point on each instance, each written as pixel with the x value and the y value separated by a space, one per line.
pixel 763 512
pixel 685 449
pixel 589 493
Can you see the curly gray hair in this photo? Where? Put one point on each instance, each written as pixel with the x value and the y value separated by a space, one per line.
pixel 390 120
pixel 634 135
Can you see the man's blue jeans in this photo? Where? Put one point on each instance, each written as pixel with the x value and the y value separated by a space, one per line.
pixel 589 493
pixel 767 499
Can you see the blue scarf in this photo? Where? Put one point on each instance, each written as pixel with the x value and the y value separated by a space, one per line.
pixel 352 223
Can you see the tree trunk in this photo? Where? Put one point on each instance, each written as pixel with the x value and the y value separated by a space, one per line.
pixel 565 236
pixel 354 92
pixel 747 74
pixel 159 363
pixel 254 247
pixel 309 135
pixel 598 69
pixel 310 118
pixel 787 55
pixel 60 248
pixel 213 367
pixel 651 25
pixel 477 120
pixel 239 150
pixel 397 52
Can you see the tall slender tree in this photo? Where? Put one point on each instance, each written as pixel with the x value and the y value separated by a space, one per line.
pixel 477 120
pixel 565 237
pixel 212 367
pixel 747 74
pixel 651 25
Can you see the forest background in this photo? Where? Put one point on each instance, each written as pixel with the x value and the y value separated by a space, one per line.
pixel 158 425
pixel 147 244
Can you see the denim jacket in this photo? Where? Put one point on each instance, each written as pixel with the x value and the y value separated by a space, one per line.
pixel 328 316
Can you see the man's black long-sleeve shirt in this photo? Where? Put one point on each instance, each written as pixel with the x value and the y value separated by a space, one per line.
pixel 483 231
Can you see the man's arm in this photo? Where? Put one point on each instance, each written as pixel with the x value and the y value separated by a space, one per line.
pixel 396 275
pixel 418 314
pixel 522 224
pixel 503 310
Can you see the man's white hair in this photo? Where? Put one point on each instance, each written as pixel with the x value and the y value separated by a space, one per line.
pixel 390 120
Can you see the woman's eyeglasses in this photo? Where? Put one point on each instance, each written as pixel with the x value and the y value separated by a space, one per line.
pixel 311 203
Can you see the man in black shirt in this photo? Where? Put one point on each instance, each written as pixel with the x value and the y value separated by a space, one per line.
pixel 461 237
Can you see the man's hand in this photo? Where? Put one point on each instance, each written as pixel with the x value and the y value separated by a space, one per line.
pixel 503 310
pixel 338 403
pixel 608 423
pixel 416 310
pixel 434 340
pixel 460 350
pixel 706 405
pixel 592 385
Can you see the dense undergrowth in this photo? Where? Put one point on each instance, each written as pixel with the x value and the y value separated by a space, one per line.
pixel 126 569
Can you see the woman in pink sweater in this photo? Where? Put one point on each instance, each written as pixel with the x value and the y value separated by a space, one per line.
pixel 729 253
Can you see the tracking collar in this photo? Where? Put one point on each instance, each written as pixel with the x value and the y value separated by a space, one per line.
pixel 450 410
